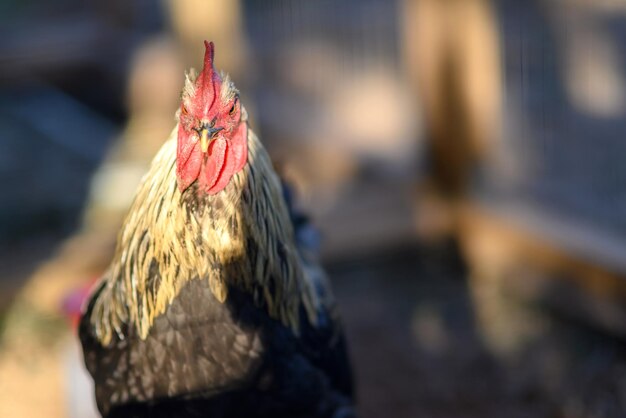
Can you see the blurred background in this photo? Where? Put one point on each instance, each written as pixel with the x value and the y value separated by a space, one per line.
pixel 463 160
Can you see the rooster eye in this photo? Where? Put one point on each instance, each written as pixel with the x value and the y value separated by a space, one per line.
pixel 233 109
pixel 184 110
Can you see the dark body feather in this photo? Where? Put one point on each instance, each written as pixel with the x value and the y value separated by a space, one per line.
pixel 256 335
pixel 204 358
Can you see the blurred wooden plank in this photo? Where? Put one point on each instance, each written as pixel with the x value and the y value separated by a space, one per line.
pixel 583 241
pixel 572 268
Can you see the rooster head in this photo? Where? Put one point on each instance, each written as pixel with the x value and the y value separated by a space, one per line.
pixel 212 130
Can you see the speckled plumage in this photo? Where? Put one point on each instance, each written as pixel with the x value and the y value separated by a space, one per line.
pixel 210 310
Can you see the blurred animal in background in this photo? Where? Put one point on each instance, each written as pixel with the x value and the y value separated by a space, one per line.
pixel 452 57
pixel 190 20
pixel 210 307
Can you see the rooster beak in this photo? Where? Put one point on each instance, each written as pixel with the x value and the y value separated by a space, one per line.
pixel 206 136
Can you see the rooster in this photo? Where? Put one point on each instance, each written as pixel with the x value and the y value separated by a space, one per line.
pixel 210 308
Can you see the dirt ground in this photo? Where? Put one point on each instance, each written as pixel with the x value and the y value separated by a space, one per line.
pixel 417 351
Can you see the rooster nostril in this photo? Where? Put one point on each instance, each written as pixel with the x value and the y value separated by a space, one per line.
pixel 213 131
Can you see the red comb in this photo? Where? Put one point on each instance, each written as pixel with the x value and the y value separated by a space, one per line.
pixel 209 53
pixel 209 79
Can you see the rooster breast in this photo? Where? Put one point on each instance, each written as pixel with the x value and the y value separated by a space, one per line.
pixel 204 358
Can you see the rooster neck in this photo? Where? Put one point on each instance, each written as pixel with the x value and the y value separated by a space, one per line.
pixel 241 236
pixel 211 211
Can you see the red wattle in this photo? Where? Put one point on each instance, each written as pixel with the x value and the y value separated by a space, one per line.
pixel 213 164
pixel 239 146
pixel 188 164
pixel 213 172
pixel 227 172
